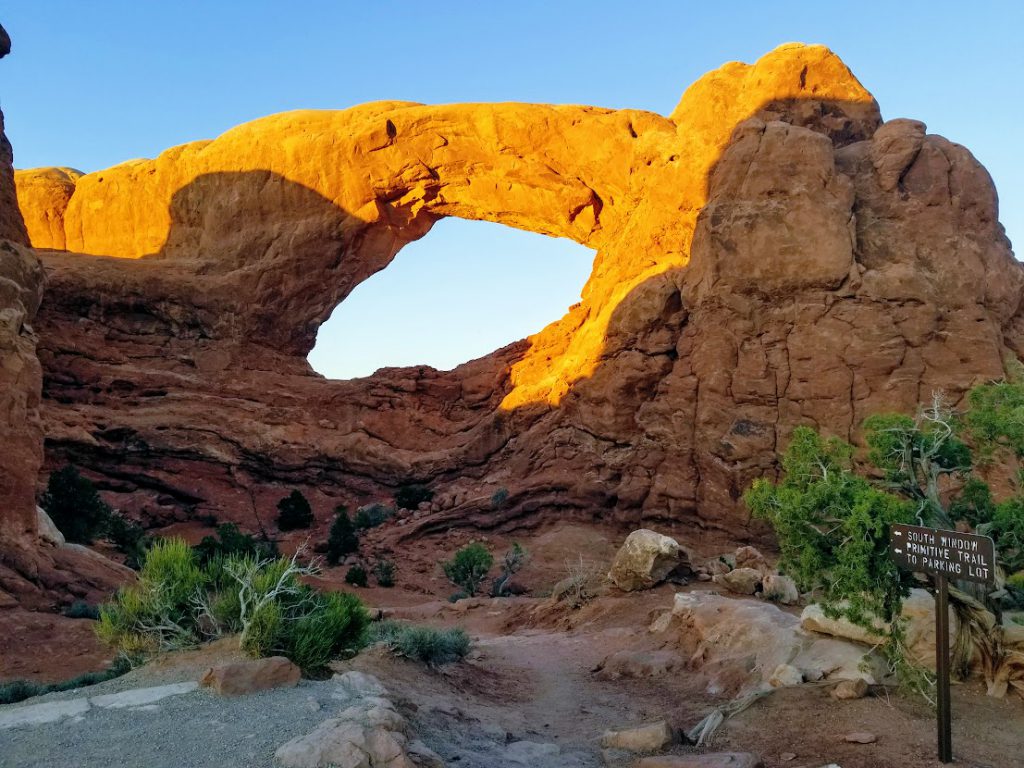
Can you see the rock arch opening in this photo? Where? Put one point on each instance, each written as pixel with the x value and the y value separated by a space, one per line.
pixel 463 291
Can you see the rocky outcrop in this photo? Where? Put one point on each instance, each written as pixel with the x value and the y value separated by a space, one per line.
pixel 768 255
pixel 368 733
pixel 740 645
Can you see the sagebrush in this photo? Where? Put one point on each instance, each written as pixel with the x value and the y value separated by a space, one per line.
pixel 179 601
pixel 426 645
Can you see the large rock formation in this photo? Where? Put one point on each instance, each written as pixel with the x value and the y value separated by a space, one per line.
pixel 769 255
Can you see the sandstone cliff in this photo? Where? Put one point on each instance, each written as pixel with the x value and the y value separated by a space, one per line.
pixel 769 255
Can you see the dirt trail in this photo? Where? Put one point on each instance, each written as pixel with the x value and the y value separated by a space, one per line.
pixel 526 696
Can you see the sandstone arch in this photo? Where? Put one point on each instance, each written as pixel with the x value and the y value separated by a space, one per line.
pixel 764 259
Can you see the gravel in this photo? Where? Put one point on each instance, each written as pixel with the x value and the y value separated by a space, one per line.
pixel 192 730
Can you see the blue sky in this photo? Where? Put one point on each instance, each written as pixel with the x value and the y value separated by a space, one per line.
pixel 90 84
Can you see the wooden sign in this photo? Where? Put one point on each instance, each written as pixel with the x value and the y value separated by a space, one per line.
pixel 957 556
pixel 945 555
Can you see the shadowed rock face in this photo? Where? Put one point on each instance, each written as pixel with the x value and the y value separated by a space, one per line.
pixel 770 255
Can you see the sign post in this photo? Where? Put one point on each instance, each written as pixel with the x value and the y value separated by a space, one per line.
pixel 945 555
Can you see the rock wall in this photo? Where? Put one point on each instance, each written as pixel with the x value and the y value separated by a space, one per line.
pixel 769 255
pixel 21 434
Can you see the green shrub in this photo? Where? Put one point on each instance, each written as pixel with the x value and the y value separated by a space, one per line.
pixel 423 644
pixel 74 506
pixel 833 529
pixel 19 690
pixel 384 573
pixel 294 512
pixel 343 539
pixel 498 498
pixel 177 602
pixel 157 612
pixel 356 576
pixel 82 610
pixel 231 541
pixel 372 515
pixel 469 567
pixel 333 628
pixel 411 496
pixel 264 630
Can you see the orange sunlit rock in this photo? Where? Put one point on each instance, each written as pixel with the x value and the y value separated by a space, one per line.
pixel 629 184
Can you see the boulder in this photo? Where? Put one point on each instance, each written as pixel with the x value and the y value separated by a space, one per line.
pixel 739 644
pixel 645 559
pixel 369 733
pixel 751 557
pixel 47 531
pixel 242 677
pixel 813 619
pixel 645 738
pixel 742 581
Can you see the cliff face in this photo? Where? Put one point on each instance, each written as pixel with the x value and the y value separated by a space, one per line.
pixel 769 255
pixel 21 284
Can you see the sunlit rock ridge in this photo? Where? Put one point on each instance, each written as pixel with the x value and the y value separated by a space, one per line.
pixel 770 254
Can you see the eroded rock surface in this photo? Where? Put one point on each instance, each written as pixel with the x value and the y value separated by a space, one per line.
pixel 768 255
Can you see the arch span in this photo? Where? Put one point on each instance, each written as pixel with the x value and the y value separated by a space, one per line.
pixel 463 291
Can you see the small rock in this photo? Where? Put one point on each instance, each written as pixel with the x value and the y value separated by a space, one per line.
pixel 243 677
pixel 860 737
pixel 645 738
pixel 786 757
pixel 716 565
pixel 785 676
pixel 742 581
pixel 749 557
pixel 850 689
pixel 780 589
